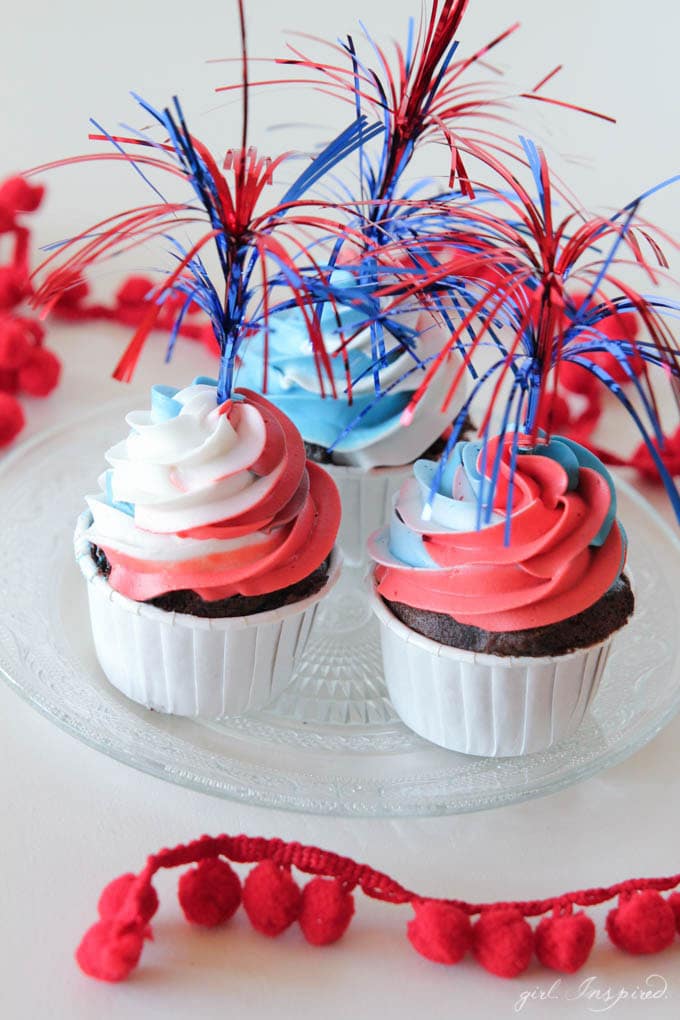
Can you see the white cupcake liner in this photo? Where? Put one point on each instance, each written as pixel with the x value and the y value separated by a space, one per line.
pixel 488 705
pixel 366 496
pixel 189 665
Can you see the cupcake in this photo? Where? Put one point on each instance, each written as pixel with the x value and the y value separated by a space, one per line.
pixel 495 637
pixel 361 441
pixel 207 552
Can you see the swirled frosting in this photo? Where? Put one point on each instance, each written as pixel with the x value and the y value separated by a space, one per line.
pixel 376 438
pixel 560 550
pixel 215 499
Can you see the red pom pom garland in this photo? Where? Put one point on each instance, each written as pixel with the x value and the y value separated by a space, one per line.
pixel 503 942
pixel 114 899
pixel 13 287
pixel 11 418
pixel 9 382
pixel 674 901
pixel 210 894
pixel 501 939
pixel 25 366
pixel 110 951
pixel 327 909
pixel 439 931
pixel 40 373
pixel 17 195
pixel 134 291
pixel 271 898
pixel 564 941
pixel 642 923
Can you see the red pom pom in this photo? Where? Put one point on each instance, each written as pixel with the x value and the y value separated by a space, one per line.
pixel 113 897
pixel 20 196
pixel 578 380
pixel 615 368
pixel 13 287
pixel 34 330
pixel 209 340
pixel 210 893
pixel 134 291
pixel 73 290
pixel 670 456
pixel 40 373
pixel 327 909
pixel 616 326
pixel 674 903
pixel 11 418
pixel 564 943
pixel 14 345
pixel 557 416
pixel 645 923
pixel 109 950
pixel 271 898
pixel 9 381
pixel 503 942
pixel 440 932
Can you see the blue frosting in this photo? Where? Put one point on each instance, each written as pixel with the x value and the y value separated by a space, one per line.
pixel 458 514
pixel 163 405
pixel 125 508
pixel 587 459
pixel 321 420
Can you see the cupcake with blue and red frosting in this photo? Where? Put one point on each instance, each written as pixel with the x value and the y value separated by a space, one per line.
pixel 206 552
pixel 360 429
pixel 500 584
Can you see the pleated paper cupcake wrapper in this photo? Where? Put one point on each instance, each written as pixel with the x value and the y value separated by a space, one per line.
pixel 188 665
pixel 366 496
pixel 488 705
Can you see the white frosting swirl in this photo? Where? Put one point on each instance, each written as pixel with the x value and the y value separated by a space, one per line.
pixel 218 500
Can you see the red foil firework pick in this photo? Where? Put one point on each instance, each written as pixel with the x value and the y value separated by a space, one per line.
pixel 557 287
pixel 422 91
pixel 225 212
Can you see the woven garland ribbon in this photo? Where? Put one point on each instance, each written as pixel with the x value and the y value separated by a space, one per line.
pixel 500 938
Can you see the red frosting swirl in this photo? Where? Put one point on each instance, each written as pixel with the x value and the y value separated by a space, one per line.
pixel 565 550
pixel 285 520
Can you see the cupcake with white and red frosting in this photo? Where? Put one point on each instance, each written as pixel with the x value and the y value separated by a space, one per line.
pixel 206 552
pixel 500 584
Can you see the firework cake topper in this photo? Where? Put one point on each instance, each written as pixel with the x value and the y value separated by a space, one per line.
pixel 247 239
pixel 245 236
pixel 557 286
pixel 423 91
pixel 481 270
pixel 421 97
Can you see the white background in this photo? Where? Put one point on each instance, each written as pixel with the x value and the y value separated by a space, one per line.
pixel 72 819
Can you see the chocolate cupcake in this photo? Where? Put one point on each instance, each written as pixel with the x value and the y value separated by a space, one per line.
pixel 206 552
pixel 497 624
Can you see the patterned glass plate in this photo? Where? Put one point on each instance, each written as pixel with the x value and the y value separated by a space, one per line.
pixel 331 744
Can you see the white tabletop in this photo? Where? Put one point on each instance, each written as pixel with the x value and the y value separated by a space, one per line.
pixel 74 818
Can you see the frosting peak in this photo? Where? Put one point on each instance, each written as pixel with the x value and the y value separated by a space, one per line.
pixel 216 499
pixel 377 437
pixel 550 549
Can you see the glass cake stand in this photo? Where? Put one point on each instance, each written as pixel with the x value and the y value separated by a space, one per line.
pixel 331 744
